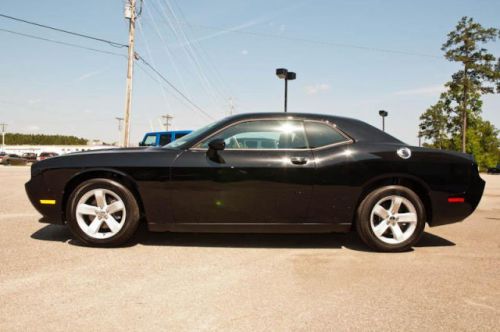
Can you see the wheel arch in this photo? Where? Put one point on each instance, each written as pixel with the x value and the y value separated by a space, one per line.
pixel 412 182
pixel 106 173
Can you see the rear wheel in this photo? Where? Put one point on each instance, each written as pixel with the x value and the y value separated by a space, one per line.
pixel 102 212
pixel 391 218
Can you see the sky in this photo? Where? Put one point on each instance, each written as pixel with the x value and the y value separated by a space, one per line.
pixel 352 58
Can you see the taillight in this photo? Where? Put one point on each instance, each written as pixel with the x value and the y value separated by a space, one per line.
pixel 456 199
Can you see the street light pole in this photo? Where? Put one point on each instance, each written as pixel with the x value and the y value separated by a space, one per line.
pixel 383 114
pixel 422 128
pixel 283 73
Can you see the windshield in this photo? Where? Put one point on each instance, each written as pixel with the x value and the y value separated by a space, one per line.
pixel 193 136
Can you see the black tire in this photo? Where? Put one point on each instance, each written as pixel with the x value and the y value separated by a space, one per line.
pixel 363 224
pixel 131 221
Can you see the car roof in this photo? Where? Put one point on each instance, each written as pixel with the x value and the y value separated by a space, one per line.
pixel 358 130
pixel 169 132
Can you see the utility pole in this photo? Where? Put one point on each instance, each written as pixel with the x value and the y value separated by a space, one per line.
pixel 120 127
pixel 130 13
pixel 231 106
pixel 3 125
pixel 167 122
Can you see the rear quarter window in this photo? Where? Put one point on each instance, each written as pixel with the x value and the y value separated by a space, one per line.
pixel 165 139
pixel 321 134
pixel 177 136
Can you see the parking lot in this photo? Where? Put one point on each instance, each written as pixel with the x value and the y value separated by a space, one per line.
pixel 161 281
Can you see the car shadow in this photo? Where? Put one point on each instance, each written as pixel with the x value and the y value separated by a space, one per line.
pixel 230 240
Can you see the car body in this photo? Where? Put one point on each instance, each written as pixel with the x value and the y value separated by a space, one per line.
pixel 494 170
pixel 14 159
pixel 2 154
pixel 161 138
pixel 31 157
pixel 319 175
pixel 47 155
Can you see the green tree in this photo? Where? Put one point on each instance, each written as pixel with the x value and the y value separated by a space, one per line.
pixel 480 72
pixel 455 121
pixel 483 143
pixel 38 139
pixel 433 125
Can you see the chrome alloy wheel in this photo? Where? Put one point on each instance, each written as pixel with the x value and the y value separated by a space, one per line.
pixel 100 213
pixel 393 219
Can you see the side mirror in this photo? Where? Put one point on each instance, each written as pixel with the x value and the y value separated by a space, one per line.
pixel 217 145
pixel 213 150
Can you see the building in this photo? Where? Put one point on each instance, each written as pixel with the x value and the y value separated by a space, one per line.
pixel 59 149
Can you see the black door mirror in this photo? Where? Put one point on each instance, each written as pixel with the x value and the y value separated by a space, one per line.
pixel 217 144
pixel 213 148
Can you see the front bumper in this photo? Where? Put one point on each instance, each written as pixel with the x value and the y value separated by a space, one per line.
pixel 38 192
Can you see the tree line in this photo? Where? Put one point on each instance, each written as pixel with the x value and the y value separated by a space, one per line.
pixel 40 139
pixel 455 121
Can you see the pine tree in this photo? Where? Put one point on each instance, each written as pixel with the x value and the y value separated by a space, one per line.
pixel 480 72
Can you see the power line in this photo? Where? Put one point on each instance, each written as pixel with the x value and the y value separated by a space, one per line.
pixel 61 42
pixel 174 88
pixel 171 19
pixel 112 43
pixel 312 41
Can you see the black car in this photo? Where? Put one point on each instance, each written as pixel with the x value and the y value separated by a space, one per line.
pixel 266 172
pixel 494 170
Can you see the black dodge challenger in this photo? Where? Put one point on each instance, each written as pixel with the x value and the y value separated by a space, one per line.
pixel 264 172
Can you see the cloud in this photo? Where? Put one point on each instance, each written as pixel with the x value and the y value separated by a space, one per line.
pixel 235 28
pixel 267 18
pixel 88 75
pixel 282 28
pixel 317 88
pixel 34 101
pixel 431 90
pixel 244 52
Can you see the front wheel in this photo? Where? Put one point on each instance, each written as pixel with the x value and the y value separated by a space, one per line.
pixel 391 218
pixel 102 212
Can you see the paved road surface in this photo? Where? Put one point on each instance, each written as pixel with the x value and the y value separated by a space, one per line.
pixel 451 281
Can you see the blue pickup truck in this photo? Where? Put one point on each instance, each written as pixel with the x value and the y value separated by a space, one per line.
pixel 161 138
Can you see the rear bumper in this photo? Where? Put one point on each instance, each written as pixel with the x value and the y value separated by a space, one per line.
pixel 445 212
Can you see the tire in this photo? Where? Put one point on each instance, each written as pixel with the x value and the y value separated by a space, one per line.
pixel 384 228
pixel 102 212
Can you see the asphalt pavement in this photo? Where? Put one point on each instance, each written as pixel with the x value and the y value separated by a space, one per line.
pixel 252 282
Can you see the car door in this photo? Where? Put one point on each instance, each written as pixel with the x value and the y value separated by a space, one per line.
pixel 264 175
pixel 333 195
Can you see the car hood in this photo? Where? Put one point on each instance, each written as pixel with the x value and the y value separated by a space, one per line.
pixel 111 158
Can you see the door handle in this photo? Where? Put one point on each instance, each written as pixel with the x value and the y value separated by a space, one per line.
pixel 298 160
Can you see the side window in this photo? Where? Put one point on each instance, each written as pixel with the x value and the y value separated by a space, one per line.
pixel 320 134
pixel 149 140
pixel 179 135
pixel 165 139
pixel 263 134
